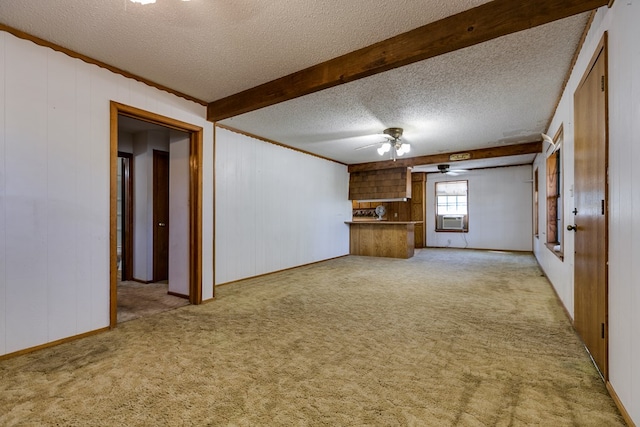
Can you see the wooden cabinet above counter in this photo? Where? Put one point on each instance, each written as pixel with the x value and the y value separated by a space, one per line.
pixel 380 184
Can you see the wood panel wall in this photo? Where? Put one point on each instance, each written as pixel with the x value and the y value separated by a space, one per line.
pixel 380 184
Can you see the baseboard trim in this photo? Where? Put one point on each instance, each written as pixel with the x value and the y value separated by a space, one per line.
pixel 621 408
pixel 515 251
pixel 555 292
pixel 52 343
pixel 278 271
pixel 176 294
pixel 610 389
pixel 144 282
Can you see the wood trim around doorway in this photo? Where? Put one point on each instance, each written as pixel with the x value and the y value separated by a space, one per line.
pixel 195 199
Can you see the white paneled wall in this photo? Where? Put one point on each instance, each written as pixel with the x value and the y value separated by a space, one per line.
pixel 500 210
pixel 26 196
pixel 624 204
pixel 54 190
pixel 275 208
pixel 60 160
pixel 624 194
pixel 3 208
pixel 559 270
pixel 142 266
pixel 179 213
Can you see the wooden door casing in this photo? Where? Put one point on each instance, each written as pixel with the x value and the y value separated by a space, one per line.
pixel 590 220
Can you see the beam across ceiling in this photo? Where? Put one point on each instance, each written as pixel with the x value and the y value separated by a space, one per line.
pixel 483 153
pixel 482 23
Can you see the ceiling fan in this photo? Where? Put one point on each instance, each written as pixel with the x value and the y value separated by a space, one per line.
pixel 447 169
pixel 393 144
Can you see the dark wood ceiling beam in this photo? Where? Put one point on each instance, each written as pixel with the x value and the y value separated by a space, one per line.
pixel 483 153
pixel 485 22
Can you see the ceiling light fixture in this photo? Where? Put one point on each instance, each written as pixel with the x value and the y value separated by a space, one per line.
pixel 397 147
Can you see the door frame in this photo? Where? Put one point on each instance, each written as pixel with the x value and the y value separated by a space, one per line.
pixel 195 199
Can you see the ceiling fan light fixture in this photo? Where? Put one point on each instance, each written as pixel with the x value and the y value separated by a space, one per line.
pixel 394 133
pixel 405 147
pixel 384 148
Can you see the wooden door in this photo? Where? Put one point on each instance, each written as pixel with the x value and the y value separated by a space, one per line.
pixel 160 215
pixel 590 214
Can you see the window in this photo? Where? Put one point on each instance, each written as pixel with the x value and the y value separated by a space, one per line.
pixel 554 201
pixel 452 206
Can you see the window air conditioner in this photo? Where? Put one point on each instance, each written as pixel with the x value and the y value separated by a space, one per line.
pixel 450 222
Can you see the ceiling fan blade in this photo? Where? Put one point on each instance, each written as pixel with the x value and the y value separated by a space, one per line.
pixel 367 146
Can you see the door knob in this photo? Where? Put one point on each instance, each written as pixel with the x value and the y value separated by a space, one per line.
pixel 161 224
pixel 572 227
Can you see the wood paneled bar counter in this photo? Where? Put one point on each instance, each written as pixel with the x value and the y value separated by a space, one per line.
pixel 392 239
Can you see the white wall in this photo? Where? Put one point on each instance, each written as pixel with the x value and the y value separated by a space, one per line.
pixel 621 22
pixel 179 213
pixel 54 190
pixel 559 270
pixel 275 208
pixel 500 210
pixel 125 142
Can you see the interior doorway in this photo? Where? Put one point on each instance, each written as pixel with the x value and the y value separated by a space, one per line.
pixel 142 261
pixel 591 213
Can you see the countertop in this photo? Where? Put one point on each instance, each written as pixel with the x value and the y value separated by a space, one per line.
pixel 383 222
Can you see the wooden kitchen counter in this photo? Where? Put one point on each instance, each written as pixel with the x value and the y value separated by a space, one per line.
pixel 392 239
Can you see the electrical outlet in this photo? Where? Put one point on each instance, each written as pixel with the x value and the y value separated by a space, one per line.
pixel 395 215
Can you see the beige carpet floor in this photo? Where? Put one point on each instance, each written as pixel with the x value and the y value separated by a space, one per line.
pixel 143 299
pixel 447 338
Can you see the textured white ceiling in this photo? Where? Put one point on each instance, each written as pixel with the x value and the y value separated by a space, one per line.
pixel 213 48
pixel 468 165
pixel 496 93
pixel 500 92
